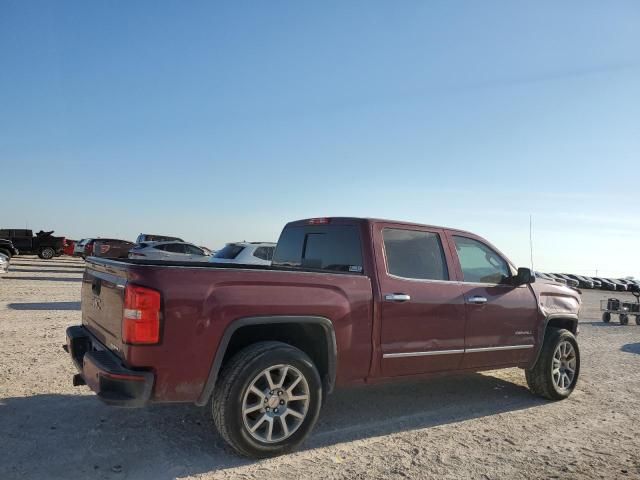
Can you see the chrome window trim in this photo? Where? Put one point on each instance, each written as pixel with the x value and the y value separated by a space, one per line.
pixel 427 280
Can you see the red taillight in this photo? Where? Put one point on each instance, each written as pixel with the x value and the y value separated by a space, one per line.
pixel 318 221
pixel 141 316
pixel 88 248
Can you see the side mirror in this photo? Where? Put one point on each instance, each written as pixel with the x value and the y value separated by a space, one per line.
pixel 525 275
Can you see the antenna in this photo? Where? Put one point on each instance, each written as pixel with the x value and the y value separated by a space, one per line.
pixel 531 239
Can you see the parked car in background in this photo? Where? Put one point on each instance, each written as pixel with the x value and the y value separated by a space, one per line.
pixel 168 251
pixel 4 263
pixel 596 283
pixel 206 250
pixel 346 302
pixel 247 253
pixel 630 284
pixel 7 248
pixel 547 277
pixel 86 249
pixel 583 282
pixel 112 248
pixel 570 282
pixel 43 244
pixel 555 277
pixel 78 248
pixel 620 287
pixel 148 237
pixel 69 247
pixel 606 284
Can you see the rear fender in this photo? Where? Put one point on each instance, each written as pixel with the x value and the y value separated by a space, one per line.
pixel 325 323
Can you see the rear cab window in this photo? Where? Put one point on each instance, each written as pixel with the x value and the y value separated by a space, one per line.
pixel 334 248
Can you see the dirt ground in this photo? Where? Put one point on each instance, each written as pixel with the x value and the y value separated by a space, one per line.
pixel 482 426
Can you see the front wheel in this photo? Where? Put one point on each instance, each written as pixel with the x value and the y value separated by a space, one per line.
pixel 267 399
pixel 47 253
pixel 624 319
pixel 555 374
pixel 606 317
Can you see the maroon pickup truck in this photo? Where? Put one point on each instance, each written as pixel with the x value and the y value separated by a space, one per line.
pixel 346 301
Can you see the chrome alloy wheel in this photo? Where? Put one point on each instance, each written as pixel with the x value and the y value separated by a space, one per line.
pixel 563 365
pixel 275 403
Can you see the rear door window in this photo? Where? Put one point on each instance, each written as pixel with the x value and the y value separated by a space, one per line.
pixel 328 247
pixel 414 254
pixel 479 263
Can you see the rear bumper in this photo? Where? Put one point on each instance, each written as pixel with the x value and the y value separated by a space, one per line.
pixel 104 372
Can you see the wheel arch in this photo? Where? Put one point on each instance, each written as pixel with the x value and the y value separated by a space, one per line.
pixel 251 329
pixel 556 321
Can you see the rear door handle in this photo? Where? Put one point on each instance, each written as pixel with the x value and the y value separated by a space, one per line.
pixel 397 297
pixel 477 300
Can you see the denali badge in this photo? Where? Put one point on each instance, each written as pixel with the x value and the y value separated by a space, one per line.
pixel 523 332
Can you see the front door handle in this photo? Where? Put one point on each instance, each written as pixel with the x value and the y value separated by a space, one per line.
pixel 397 297
pixel 477 300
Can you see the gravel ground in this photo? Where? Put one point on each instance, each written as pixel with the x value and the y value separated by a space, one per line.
pixel 481 426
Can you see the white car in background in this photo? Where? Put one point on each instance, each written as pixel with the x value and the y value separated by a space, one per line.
pixel 168 251
pixel 246 253
pixel 4 263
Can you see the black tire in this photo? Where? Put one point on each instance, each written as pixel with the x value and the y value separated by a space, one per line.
pixel 624 319
pixel 637 319
pixel 6 252
pixel 235 379
pixel 540 378
pixel 606 317
pixel 46 253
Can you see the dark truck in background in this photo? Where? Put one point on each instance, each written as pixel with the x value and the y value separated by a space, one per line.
pixel 346 301
pixel 43 244
pixel 7 248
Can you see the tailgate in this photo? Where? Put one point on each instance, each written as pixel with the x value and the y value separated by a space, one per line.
pixel 102 302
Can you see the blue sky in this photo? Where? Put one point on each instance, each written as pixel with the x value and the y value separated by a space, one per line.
pixel 220 122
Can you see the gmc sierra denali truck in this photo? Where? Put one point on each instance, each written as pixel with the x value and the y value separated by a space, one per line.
pixel 346 301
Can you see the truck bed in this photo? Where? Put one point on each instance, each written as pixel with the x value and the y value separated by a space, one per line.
pixel 199 302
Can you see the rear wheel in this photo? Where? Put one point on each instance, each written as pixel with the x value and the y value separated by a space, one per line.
pixel 267 399
pixel 555 374
pixel 46 253
pixel 624 319
pixel 637 319
pixel 606 317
